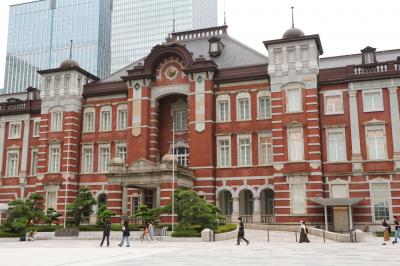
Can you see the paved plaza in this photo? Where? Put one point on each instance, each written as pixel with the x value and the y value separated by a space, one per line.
pixel 281 250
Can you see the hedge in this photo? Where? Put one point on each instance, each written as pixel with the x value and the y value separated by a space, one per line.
pixel 225 228
pixel 8 234
pixel 380 234
pixel 188 233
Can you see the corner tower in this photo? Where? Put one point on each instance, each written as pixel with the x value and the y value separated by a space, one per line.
pixel 293 69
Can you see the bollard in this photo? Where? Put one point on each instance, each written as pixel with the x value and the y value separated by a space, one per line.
pixel 268 235
pixel 355 236
pixel 295 234
pixel 323 232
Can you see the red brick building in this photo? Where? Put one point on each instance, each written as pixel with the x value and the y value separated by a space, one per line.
pixel 273 139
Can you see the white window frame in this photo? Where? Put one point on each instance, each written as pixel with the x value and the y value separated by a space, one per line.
pixel 36 129
pixel 338 182
pixel 118 151
pixel 56 125
pixel 88 128
pixel 267 162
pixel 11 134
pixel 48 84
pixel 104 127
pixel 333 94
pixel 223 98
pixel 47 199
pixel 120 109
pixel 228 161
pixel 374 108
pixel 15 171
pixel 293 199
pixel 57 82
pixel 305 53
pixel 84 166
pixel 278 56
pixel 300 102
pixel 291 51
pixel 103 166
pixel 239 155
pixel 67 81
pixel 336 130
pixel 54 165
pixel 372 197
pixel 369 57
pixel 290 130
pixel 243 96
pixel 182 157
pixel 34 161
pixel 268 113
pixel 373 128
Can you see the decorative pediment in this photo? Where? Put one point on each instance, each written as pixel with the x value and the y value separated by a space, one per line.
pixel 141 163
pixel 375 122
pixel 294 123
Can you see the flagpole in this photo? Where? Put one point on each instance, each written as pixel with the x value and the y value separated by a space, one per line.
pixel 173 176
pixel 66 181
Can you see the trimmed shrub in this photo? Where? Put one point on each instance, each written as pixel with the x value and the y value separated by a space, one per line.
pixel 187 233
pixel 380 234
pixel 225 228
pixel 8 234
pixel 44 228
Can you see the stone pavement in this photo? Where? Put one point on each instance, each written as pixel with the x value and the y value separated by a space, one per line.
pixel 281 250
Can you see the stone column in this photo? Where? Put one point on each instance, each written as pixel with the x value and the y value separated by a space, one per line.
pixel 124 203
pixel 356 157
pixel 256 210
pixel 235 209
pixel 24 158
pixel 2 135
pixel 395 118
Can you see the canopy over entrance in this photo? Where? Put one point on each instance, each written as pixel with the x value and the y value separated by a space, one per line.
pixel 337 202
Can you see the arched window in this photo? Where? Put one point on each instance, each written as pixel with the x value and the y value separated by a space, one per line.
pixel 102 199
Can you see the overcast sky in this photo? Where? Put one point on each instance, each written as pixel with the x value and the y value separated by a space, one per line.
pixel 345 26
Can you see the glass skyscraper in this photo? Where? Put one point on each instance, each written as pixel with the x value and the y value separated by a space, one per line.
pixel 138 25
pixel 39 35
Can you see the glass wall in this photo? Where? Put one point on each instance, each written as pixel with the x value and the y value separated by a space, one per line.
pixel 39 38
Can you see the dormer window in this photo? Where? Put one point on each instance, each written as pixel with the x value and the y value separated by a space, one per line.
pixel 368 55
pixel 215 47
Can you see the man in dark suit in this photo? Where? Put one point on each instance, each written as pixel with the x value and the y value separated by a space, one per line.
pixel 241 232
pixel 106 233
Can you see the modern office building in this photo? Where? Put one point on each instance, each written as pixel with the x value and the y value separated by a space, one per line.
pixel 39 35
pixel 138 25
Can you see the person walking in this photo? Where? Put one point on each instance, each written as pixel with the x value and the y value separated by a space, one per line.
pixel 106 233
pixel 125 235
pixel 241 232
pixel 145 232
pixel 303 233
pixel 386 231
pixel 396 229
pixel 151 231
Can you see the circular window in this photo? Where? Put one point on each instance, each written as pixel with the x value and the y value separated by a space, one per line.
pixel 199 79
pixel 137 86
pixel 171 73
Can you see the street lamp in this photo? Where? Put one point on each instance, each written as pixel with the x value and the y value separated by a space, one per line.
pixel 66 181
pixel 173 176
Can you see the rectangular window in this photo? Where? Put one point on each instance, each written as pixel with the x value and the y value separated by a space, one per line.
pixel 224 152
pixel 264 107
pixel 381 200
pixel 57 83
pixel 291 54
pixel 54 158
pixel 336 145
pixel 48 84
pixel 372 101
pixel 105 120
pixel 67 79
pixel 56 121
pixel 36 128
pixel 34 161
pixel 135 204
pixel 88 122
pixel 14 131
pixel 121 151
pixel 223 110
pixel 296 144
pixel 298 198
pixel 305 53
pixel 79 82
pixel 122 118
pixel 339 191
pixel 293 103
pixel 277 56
pixel 182 155
pixel 51 201
pixel 244 147
pixel 333 104
pixel 376 143
pixel 265 149
pixel 369 58
pixel 87 159
pixel 244 108
pixel 180 120
pixel 12 163
pixel 104 158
